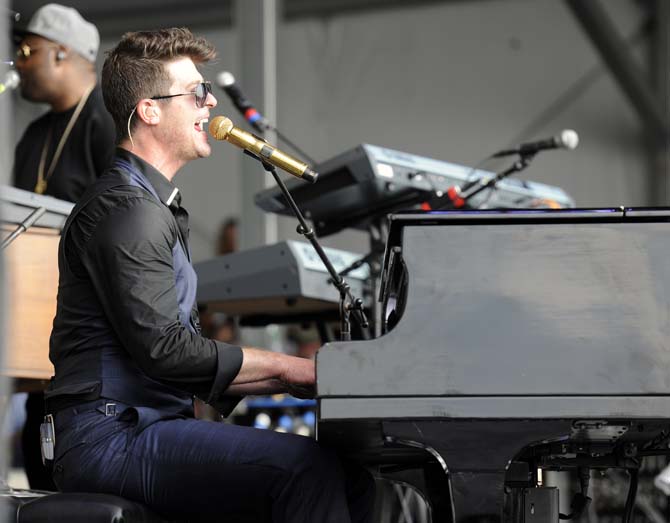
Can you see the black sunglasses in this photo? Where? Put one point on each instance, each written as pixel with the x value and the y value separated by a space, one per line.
pixel 201 92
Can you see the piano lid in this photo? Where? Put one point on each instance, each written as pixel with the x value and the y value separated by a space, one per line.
pixel 398 221
pixel 546 303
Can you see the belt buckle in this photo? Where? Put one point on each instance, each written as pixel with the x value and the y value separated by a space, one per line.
pixel 110 409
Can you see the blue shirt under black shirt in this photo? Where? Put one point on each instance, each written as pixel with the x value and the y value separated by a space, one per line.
pixel 126 325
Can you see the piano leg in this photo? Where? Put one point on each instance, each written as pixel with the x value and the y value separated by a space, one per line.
pixel 476 454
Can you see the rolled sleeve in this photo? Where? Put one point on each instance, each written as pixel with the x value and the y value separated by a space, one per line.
pixel 229 364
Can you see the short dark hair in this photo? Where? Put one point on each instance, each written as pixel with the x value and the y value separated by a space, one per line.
pixel 135 69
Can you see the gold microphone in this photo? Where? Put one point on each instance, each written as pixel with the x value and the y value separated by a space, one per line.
pixel 222 128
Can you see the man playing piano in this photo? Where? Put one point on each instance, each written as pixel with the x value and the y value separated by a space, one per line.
pixel 126 342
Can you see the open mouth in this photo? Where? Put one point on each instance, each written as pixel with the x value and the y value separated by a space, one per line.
pixel 200 125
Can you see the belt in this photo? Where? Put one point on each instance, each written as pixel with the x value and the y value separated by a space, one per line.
pixel 104 406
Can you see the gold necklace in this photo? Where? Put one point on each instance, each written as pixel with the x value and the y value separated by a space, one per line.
pixel 41 185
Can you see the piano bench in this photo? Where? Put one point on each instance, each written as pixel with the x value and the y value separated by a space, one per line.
pixel 74 507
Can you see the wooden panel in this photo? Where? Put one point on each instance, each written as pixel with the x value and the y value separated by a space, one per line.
pixel 32 284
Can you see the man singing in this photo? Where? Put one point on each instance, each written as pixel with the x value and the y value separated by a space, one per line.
pixel 126 342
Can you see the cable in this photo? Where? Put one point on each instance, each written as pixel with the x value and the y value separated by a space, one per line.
pixel 581 500
pixel 632 493
pixel 288 142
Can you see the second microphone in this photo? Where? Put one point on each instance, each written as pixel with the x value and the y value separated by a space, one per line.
pixel 222 128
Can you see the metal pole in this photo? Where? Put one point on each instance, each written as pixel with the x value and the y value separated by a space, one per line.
pixel 660 67
pixel 616 54
pixel 256 23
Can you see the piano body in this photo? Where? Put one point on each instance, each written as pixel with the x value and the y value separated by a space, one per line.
pixel 513 341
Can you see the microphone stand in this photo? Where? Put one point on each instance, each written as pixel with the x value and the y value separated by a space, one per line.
pixel 348 304
pixel 23 226
pixel 518 166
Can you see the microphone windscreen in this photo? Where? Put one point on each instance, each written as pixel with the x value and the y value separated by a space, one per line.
pixel 11 80
pixel 569 139
pixel 220 126
pixel 225 79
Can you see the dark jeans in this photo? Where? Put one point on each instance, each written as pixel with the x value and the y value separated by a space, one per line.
pixel 186 468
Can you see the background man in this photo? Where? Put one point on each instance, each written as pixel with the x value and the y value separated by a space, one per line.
pixel 63 151
pixel 126 342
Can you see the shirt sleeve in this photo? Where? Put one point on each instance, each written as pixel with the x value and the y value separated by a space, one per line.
pixel 129 260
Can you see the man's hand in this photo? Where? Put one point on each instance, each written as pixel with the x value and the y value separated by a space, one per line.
pixel 299 377
pixel 265 372
pixel 303 392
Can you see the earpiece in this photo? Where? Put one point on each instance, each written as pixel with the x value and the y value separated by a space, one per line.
pixel 60 55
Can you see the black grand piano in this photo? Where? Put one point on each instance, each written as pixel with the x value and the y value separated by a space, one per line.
pixel 514 341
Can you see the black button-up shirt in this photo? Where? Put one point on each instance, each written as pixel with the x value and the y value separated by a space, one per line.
pixel 127 287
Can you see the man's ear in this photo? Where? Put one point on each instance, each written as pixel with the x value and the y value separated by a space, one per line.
pixel 149 112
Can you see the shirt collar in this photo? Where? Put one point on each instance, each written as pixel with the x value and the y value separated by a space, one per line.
pixel 168 192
